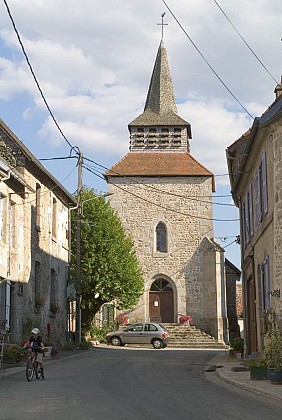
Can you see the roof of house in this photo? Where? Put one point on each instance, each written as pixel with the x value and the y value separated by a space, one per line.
pixel 159 164
pixel 6 133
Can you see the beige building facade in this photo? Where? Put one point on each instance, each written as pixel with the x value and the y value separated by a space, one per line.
pixel 34 245
pixel 255 170
pixel 163 197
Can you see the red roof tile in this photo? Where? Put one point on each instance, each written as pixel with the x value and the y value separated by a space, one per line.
pixel 158 164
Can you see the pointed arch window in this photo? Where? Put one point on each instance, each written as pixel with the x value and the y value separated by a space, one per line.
pixel 161 237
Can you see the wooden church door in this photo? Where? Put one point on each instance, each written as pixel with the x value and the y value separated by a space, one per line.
pixel 161 302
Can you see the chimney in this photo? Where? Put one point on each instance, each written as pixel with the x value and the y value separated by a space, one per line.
pixel 278 89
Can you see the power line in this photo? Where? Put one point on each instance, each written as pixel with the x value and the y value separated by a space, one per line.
pixel 164 207
pixel 168 192
pixel 59 158
pixel 245 42
pixel 33 74
pixel 206 61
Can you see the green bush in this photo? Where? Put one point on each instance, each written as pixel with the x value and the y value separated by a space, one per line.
pixel 69 346
pixel 84 345
pixel 99 334
pixel 237 344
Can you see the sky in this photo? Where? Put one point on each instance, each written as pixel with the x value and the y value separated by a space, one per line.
pixel 93 61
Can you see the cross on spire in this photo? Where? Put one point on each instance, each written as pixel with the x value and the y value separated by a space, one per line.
pixel 162 24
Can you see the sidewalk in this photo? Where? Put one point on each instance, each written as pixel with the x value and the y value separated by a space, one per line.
pixel 242 378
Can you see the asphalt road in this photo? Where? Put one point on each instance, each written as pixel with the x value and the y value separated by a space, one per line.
pixel 123 384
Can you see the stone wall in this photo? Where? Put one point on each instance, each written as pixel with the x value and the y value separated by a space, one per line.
pixel 184 205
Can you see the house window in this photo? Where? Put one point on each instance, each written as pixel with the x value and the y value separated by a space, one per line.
pixel 264 286
pixel 161 237
pixel 261 191
pixel 54 219
pixel 38 205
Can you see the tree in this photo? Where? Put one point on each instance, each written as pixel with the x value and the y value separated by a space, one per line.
pixel 110 270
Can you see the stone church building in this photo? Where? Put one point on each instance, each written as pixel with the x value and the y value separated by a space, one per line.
pixel 163 197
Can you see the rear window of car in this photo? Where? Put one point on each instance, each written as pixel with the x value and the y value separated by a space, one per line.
pixel 163 328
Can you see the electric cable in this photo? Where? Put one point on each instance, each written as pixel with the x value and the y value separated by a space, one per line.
pixel 34 76
pixel 245 42
pixel 164 207
pixel 206 61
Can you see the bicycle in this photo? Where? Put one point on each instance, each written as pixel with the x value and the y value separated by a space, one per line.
pixel 32 367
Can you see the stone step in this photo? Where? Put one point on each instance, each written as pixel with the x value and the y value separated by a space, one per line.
pixel 188 336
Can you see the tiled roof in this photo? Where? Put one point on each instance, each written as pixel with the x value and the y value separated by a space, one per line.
pixel 158 164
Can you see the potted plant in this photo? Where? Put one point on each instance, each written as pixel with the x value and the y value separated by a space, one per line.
pixel 186 320
pixel 55 308
pixel 258 369
pixel 39 303
pixel 273 355
pixel 238 346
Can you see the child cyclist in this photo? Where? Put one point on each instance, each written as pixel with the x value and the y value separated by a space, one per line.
pixel 35 343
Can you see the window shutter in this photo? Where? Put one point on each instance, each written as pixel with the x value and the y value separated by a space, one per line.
pixel 264 185
pixel 267 282
pixel 251 211
pixel 7 305
pixel 260 290
pixel 257 198
pixel 246 215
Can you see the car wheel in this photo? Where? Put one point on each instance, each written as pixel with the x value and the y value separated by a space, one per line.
pixel 115 341
pixel 157 344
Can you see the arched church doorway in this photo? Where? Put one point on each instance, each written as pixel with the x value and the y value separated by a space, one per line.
pixel 161 301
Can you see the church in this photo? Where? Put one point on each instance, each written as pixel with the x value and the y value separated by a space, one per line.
pixel 163 197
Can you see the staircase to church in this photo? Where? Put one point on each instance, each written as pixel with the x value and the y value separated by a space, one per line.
pixel 185 336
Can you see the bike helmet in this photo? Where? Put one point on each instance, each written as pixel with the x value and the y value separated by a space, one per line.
pixel 35 331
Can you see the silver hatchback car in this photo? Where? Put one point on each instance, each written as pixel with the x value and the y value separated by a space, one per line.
pixel 140 333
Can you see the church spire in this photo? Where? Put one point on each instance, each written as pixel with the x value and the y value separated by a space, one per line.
pixel 160 98
pixel 159 128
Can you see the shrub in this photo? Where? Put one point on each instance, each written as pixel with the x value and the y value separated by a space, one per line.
pixel 237 344
pixel 256 363
pixel 84 345
pixel 99 334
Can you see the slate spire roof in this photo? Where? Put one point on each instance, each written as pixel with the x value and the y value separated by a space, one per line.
pixel 160 107
pixel 159 138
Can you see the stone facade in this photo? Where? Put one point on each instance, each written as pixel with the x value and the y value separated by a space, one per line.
pixel 34 248
pixel 159 184
pixel 256 179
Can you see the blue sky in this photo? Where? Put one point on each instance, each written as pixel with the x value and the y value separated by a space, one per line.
pixel 93 61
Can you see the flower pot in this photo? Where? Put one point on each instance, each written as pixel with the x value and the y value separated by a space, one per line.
pixel 275 375
pixel 258 372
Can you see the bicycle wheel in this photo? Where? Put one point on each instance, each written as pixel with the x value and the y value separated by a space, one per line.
pixel 38 372
pixel 29 370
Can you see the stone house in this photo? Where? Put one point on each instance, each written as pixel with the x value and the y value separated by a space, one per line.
pixel 163 197
pixel 34 245
pixel 255 171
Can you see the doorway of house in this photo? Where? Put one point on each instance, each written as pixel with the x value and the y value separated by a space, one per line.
pixel 161 301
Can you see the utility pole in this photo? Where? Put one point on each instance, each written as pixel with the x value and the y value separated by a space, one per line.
pixel 78 252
